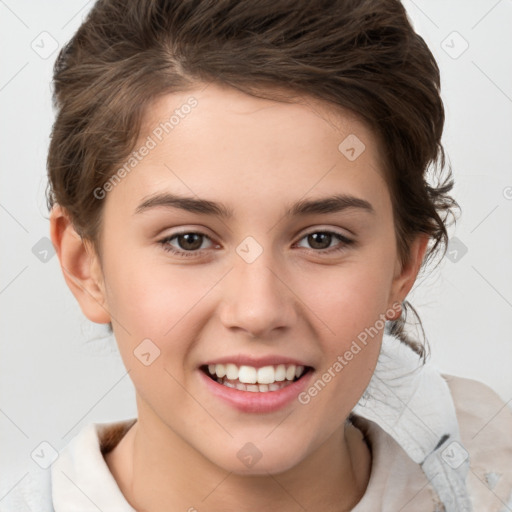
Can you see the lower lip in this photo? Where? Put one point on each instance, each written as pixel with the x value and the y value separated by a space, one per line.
pixel 247 401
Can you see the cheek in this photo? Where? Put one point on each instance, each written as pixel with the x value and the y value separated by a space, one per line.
pixel 158 309
pixel 154 309
pixel 350 297
pixel 349 303
pixel 152 298
pixel 350 306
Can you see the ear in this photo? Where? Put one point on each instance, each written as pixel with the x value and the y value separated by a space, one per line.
pixel 406 274
pixel 80 266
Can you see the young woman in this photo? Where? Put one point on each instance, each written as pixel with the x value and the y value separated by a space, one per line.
pixel 239 189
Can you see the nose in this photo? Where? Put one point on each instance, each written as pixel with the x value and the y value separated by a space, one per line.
pixel 257 299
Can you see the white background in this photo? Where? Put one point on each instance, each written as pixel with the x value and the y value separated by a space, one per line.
pixel 59 372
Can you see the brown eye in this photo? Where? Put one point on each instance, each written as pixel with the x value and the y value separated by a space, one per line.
pixel 189 241
pixel 322 241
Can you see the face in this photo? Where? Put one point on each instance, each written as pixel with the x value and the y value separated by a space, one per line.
pixel 280 263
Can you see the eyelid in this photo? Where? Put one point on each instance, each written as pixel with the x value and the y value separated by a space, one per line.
pixel 326 230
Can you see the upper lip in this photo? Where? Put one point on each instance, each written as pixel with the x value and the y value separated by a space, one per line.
pixel 256 362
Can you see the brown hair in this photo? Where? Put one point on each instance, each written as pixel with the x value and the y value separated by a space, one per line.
pixel 362 55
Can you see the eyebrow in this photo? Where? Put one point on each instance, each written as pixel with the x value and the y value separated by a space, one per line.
pixel 324 205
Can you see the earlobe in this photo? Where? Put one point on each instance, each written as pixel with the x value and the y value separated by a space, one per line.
pixel 80 267
pixel 407 274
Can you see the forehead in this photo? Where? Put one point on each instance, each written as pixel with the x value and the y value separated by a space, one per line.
pixel 296 121
pixel 216 140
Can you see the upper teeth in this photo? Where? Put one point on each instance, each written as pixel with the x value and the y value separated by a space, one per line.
pixel 252 375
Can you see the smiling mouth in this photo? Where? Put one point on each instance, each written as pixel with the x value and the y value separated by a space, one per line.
pixel 257 380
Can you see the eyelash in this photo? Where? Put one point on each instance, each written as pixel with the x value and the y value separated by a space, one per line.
pixel 187 254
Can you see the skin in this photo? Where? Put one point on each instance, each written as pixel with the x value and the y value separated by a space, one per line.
pixel 257 157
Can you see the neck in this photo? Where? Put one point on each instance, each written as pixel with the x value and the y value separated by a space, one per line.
pixel 156 470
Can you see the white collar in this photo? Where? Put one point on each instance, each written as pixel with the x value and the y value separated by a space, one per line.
pixel 76 473
pixel 411 401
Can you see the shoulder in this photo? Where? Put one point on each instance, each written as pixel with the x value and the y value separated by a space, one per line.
pixel 485 424
pixel 79 467
pixel 396 481
pixel 31 494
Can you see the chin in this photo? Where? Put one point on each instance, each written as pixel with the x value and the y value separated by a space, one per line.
pixel 249 460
